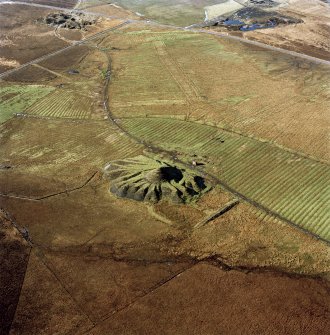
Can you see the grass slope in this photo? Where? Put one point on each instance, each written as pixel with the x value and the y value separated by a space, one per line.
pixel 290 185
pixel 177 12
pixel 17 98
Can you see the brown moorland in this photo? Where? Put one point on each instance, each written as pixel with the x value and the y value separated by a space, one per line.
pixel 80 260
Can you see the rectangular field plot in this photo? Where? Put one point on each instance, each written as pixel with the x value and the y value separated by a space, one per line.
pixel 177 12
pixel 62 104
pixel 69 153
pixel 16 98
pixel 146 79
pixel 294 187
pixel 66 143
pixel 138 79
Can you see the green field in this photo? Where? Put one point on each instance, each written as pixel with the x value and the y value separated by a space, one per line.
pixel 177 12
pixel 17 98
pixel 63 104
pixel 287 184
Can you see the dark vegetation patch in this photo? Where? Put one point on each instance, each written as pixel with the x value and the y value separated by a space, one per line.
pixel 209 300
pixel 24 39
pixel 67 59
pixel 4 68
pixel 14 254
pixel 30 47
pixel 13 16
pixel 30 74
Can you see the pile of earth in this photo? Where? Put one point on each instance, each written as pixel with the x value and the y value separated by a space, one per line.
pixel 252 18
pixel 146 179
pixel 69 20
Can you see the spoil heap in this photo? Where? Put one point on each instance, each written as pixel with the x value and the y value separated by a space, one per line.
pixel 146 179
pixel 69 20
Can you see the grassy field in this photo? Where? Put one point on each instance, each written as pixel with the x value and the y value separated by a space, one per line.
pixel 17 98
pixel 287 184
pixel 69 153
pixel 254 91
pixel 182 12
pixel 61 104
pixel 59 94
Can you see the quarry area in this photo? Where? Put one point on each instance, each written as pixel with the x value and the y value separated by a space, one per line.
pixel 164 167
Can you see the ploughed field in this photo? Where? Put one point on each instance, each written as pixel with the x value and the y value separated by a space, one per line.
pixel 148 167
